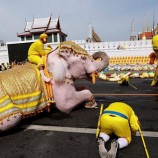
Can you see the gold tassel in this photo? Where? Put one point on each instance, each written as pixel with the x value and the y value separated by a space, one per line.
pixel 1 122
pixel 7 118
pixel 14 115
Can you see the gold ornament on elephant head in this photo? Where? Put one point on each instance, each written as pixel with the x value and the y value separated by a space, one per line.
pixel 76 49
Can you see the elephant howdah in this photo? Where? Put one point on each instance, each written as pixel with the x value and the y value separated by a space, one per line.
pixel 21 91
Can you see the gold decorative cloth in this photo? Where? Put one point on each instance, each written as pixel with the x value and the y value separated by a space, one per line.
pixel 21 90
pixel 73 46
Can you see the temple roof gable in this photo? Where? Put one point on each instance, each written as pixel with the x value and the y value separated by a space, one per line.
pixel 28 26
pixel 54 24
pixel 41 23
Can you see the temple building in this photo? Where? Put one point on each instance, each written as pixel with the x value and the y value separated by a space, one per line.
pixel 93 36
pixel 48 25
pixel 148 33
pixel 145 35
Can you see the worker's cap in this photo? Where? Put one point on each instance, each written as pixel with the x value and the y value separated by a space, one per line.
pixel 43 35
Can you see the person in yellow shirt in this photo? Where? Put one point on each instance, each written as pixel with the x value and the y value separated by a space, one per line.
pixel 118 119
pixel 155 48
pixel 36 51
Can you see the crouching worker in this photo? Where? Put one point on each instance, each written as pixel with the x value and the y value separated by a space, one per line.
pixel 123 81
pixel 118 119
pixel 35 53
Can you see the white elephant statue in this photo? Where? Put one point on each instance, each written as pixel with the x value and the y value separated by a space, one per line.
pixel 22 92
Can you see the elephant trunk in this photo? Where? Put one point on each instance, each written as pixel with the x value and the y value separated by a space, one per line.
pixel 101 60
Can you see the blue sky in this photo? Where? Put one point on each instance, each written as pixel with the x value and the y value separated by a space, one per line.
pixel 111 19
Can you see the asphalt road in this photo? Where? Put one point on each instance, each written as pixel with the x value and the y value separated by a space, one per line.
pixel 73 135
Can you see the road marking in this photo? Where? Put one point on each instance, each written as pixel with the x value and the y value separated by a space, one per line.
pixel 128 94
pixel 78 130
pixel 60 129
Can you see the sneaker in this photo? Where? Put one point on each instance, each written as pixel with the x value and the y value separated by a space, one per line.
pixel 102 150
pixel 113 151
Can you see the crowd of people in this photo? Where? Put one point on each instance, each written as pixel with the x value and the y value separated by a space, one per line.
pixel 6 66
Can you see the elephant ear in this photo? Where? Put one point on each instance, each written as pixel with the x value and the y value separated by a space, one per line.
pixel 59 71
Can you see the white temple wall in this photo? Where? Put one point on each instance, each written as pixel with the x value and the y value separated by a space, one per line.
pixel 119 48
pixel 4 55
pixel 113 49
pixel 124 53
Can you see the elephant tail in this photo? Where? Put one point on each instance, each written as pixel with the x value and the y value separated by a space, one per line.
pixel 59 72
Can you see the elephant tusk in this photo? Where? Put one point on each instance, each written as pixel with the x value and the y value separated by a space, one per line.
pixel 93 75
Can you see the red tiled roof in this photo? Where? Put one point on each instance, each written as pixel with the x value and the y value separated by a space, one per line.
pixel 148 35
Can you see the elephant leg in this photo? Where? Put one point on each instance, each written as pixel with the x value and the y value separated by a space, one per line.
pixel 155 79
pixel 10 122
pixel 73 99
pixel 91 103
pixel 86 96
pixel 80 88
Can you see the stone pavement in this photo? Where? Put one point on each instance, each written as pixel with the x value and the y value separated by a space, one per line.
pixel 76 138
